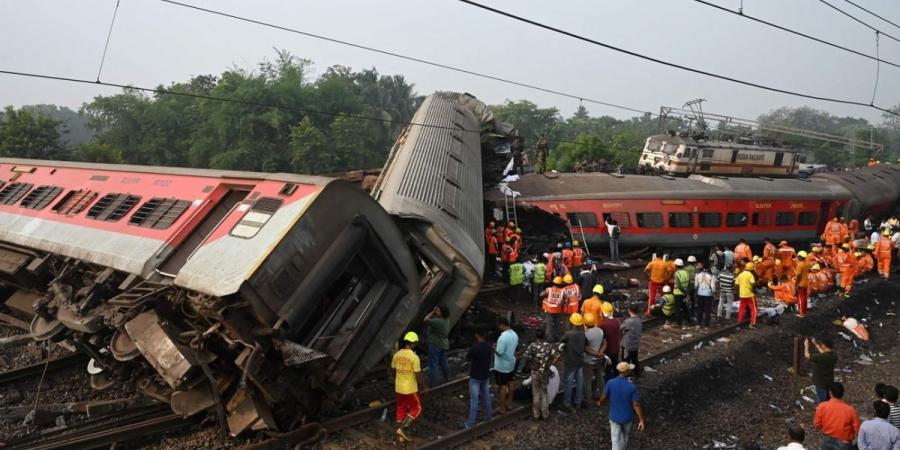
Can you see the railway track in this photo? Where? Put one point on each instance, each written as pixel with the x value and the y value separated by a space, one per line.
pixel 366 426
pixel 35 370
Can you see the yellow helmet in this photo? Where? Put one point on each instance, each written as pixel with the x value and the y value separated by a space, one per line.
pixel 816 266
pixel 576 319
pixel 802 253
pixel 598 289
pixel 518 230
pixel 607 308
pixel 756 258
pixel 557 280
pixel 777 261
pixel 411 337
pixel 857 254
pixel 886 233
pixel 817 249
pixel 749 266
pixel 492 224
pixel 870 247
pixel 568 279
pixel 575 243
pixel 511 224
pixel 590 319
pixel 846 245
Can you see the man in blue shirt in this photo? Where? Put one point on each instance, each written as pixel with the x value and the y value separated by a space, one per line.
pixel 624 404
pixel 877 433
pixel 505 364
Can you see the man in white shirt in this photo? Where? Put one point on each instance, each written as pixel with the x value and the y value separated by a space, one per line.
pixel 797 434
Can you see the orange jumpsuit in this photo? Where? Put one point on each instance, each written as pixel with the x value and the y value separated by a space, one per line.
pixel 784 292
pixel 864 264
pixel 490 241
pixel 743 253
pixel 765 270
pixel 846 263
pixel 833 235
pixel 577 256
pixel 853 229
pixel 883 250
pixel 787 255
pixel 769 251
pixel 567 258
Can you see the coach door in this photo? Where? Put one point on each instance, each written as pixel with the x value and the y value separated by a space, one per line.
pixel 779 158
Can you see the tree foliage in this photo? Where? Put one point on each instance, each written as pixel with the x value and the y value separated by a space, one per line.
pixel 27 134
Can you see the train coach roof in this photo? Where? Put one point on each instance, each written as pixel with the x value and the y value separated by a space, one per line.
pixel 581 186
pixel 720 144
pixel 181 171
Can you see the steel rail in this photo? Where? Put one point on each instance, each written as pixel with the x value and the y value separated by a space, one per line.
pixel 33 370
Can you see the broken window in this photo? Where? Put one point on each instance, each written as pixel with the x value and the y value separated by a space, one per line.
pixel 256 217
pixel 736 219
pixel 40 197
pixel 159 213
pixel 13 192
pixel 583 219
pixel 113 207
pixel 74 202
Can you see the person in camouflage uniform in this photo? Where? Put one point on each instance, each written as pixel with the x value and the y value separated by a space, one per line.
pixel 540 155
pixel 541 355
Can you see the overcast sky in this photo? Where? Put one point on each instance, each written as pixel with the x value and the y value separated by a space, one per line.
pixel 157 43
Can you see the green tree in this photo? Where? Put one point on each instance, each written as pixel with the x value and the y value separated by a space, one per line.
pixel 25 134
pixel 100 152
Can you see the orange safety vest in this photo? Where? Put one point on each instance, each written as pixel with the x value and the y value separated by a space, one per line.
pixel 554 300
pixel 833 232
pixel 567 256
pixel 843 261
pixel 884 247
pixel 784 292
pixel 491 241
pixel 769 251
pixel 743 251
pixel 865 264
pixel 514 256
pixel 506 252
pixel 787 255
pixel 577 256
pixel 572 298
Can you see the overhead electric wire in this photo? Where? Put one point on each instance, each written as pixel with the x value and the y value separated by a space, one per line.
pixel 872 13
pixel 108 35
pixel 797 33
pixel 405 57
pixel 672 64
pixel 860 21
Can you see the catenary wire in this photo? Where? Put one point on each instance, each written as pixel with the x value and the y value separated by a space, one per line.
pixel 872 13
pixel 858 20
pixel 405 57
pixel 797 33
pixel 108 35
pixel 877 67
pixel 672 64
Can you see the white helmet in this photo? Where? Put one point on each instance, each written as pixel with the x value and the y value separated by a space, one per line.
pixel 679 262
pixel 667 289
pixel 691 259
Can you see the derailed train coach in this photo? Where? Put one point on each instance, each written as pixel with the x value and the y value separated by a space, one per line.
pixel 260 295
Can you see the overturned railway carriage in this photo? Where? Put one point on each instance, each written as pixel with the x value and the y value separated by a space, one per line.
pixel 701 211
pixel 265 286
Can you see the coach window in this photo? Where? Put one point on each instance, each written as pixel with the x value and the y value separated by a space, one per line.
pixel 681 220
pixel 784 219
pixel 74 202
pixel 112 207
pixel 649 220
pixel 807 218
pixel 582 219
pixel 762 219
pixel 709 220
pixel 13 192
pixel 40 197
pixel 708 152
pixel 622 218
pixel 736 219
pixel 158 213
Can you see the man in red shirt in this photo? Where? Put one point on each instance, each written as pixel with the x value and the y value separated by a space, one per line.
pixel 838 421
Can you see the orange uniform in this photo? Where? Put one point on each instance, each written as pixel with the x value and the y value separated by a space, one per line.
pixel 833 233
pixel 765 270
pixel 577 256
pixel 743 253
pixel 853 229
pixel 571 298
pixel 883 250
pixel 490 241
pixel 787 255
pixel 845 262
pixel 864 264
pixel 553 302
pixel 567 258
pixel 784 292
pixel 769 251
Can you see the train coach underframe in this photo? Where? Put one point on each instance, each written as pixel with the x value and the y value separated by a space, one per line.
pixel 338 286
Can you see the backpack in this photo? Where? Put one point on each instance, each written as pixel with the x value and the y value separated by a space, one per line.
pixel 616 231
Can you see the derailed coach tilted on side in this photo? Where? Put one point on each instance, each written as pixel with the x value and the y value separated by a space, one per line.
pixel 270 287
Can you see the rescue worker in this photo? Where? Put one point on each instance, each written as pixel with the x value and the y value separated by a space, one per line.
pixel 833 235
pixel 681 290
pixel 553 307
pixel 490 243
pixel 657 272
pixel 864 263
pixel 586 280
pixel 540 277
pixel 765 269
pixel 506 257
pixel 779 271
pixel 577 254
pixel 571 295
pixel 867 261
pixel 845 262
pixel 516 281
pixel 853 229
pixel 845 230
pixel 517 246
pixel 592 305
pixel 408 379
pixel 817 280
pixel 670 271
pixel 667 306
pixel 690 296
pixel 540 155
pixel 801 282
pixel 745 282
pixel 568 256
pixel 883 251
pixel 519 236
pixel 787 255
pixel 769 250
pixel 742 253
pixel 509 230
pixel 784 291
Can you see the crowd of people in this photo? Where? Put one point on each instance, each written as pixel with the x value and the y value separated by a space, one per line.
pixel 591 356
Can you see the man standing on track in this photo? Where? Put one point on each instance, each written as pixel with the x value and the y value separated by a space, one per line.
pixel 657 272
pixel 624 406
pixel 883 251
pixel 726 292
pixel 823 363
pixel 505 364
pixel 745 282
pixel 801 282
pixel 438 344
pixel 479 357
pixel 706 290
pixel 682 289
pixel 407 379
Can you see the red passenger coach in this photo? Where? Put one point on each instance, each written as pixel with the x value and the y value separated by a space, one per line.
pixel 684 212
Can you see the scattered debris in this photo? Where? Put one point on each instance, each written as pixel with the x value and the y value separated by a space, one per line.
pixel 768 377
pixel 722 339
